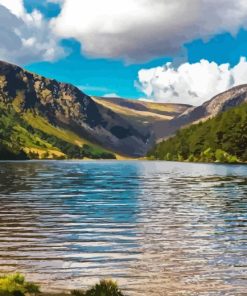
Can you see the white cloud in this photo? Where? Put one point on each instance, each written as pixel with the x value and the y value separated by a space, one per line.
pixel 111 95
pixel 133 30
pixel 26 37
pixel 15 6
pixel 190 83
pixel 143 29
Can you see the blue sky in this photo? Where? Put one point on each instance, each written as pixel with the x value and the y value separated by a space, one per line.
pixel 81 55
pixel 102 76
pixel 95 76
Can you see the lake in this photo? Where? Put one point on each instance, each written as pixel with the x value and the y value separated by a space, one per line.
pixel 158 228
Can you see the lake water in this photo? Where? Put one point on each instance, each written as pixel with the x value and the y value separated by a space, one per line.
pixel 158 228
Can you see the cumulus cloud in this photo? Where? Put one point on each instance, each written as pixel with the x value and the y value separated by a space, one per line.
pixel 26 37
pixel 190 83
pixel 143 29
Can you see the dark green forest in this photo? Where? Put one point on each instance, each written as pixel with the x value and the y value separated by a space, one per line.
pixel 220 139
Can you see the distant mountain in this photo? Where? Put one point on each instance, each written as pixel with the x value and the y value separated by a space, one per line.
pixel 143 114
pixel 222 138
pixel 220 103
pixel 144 110
pixel 44 118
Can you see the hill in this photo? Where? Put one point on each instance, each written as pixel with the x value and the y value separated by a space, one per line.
pixel 221 139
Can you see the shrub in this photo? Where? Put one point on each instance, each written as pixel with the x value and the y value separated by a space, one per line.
pixel 16 285
pixel 104 288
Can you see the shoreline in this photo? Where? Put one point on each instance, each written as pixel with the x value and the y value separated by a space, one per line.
pixel 119 160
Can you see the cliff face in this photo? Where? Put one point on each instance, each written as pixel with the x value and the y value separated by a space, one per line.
pixel 65 106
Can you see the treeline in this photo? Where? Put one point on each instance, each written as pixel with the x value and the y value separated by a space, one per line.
pixel 16 134
pixel 220 139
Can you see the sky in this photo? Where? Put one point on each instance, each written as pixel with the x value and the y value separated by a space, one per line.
pixel 164 50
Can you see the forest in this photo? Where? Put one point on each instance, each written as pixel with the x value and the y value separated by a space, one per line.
pixel 220 139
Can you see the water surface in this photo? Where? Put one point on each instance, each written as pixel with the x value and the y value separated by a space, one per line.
pixel 159 228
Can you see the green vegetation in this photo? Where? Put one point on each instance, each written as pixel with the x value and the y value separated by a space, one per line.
pixel 19 139
pixel 104 288
pixel 220 139
pixel 40 123
pixel 16 285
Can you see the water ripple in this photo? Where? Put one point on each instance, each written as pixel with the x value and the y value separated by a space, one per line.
pixel 158 228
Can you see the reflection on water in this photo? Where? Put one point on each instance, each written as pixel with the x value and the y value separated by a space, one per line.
pixel 158 228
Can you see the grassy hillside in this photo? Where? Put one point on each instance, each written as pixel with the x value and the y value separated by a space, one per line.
pixel 221 139
pixel 29 136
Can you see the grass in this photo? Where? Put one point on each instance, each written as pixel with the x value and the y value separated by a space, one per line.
pixel 16 285
pixel 40 123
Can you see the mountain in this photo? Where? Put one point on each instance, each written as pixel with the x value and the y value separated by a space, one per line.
pixel 220 103
pixel 143 111
pixel 26 135
pixel 144 114
pixel 44 118
pixel 222 138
